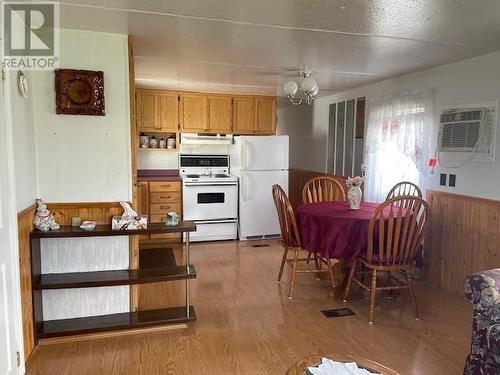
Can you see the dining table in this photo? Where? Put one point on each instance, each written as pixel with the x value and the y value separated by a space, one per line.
pixel 335 230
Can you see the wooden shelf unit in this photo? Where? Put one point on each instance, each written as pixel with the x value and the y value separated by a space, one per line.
pixel 112 278
pixel 109 322
pixel 114 322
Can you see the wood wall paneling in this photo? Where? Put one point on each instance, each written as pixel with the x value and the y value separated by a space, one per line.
pixel 24 224
pixel 462 239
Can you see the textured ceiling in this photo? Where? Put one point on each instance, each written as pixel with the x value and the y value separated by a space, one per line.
pixel 254 46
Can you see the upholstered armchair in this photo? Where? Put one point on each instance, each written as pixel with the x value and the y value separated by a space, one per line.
pixel 483 291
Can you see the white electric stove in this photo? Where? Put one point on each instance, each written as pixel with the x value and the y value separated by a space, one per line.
pixel 209 196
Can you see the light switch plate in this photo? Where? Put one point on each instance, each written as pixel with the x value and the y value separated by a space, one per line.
pixel 442 179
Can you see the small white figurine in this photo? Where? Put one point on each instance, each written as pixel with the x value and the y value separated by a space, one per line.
pixel 129 220
pixel 43 219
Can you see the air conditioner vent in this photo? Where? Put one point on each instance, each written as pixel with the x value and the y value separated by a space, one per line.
pixel 460 129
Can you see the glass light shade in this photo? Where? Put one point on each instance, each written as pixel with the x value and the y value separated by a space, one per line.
pixel 309 85
pixel 291 88
pixel 315 91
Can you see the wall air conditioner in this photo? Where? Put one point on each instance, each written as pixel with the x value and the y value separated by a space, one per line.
pixel 460 130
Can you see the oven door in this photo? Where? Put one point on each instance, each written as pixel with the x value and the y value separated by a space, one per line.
pixel 207 201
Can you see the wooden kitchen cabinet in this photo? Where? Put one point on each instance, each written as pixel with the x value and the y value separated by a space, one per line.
pixel 171 112
pixel 157 111
pixel 244 115
pixel 155 199
pixel 219 114
pixel 193 113
pixel 265 116
pixel 168 112
pixel 146 110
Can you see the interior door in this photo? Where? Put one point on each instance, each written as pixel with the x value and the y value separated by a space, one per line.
pixel 10 332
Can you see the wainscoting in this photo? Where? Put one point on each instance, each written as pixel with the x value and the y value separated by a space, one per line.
pixel 464 238
pixel 24 224
pixel 297 178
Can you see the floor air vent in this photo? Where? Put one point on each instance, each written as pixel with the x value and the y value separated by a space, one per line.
pixel 337 313
pixel 260 245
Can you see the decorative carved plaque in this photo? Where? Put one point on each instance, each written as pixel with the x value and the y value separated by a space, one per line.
pixel 79 92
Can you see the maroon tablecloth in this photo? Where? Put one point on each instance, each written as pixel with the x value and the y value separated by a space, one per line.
pixel 335 230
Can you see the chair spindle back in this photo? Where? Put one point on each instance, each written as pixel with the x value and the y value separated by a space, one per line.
pixel 290 236
pixel 396 230
pixel 403 189
pixel 323 189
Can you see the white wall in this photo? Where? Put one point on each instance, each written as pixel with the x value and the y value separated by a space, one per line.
pixel 85 158
pixel 471 81
pixel 21 112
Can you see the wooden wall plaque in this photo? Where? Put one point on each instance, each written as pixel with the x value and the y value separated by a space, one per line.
pixel 79 92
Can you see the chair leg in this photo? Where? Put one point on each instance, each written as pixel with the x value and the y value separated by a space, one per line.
pixel 317 261
pixel 412 294
pixel 349 281
pixel 373 292
pixel 330 269
pixel 283 261
pixel 294 272
pixel 309 257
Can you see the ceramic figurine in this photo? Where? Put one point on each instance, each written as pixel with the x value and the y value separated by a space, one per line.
pixel 43 219
pixel 129 219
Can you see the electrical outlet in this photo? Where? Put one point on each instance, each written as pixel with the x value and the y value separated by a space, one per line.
pixel 453 180
pixel 442 179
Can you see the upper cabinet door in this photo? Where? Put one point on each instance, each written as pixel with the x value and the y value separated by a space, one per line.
pixel 146 110
pixel 193 113
pixel 244 115
pixel 265 115
pixel 219 114
pixel 168 112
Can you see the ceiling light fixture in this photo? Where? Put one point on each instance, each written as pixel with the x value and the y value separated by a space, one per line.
pixel 305 91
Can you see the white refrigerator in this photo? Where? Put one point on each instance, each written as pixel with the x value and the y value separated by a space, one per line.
pixel 259 162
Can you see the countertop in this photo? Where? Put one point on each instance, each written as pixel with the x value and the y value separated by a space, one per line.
pixel 158 175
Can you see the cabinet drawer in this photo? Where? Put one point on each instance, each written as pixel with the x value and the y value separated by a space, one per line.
pixel 166 236
pixel 162 209
pixel 167 197
pixel 160 186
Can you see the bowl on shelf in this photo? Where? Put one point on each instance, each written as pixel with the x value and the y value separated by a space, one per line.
pixel 88 225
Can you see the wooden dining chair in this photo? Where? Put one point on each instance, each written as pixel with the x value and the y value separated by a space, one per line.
pixel 291 241
pixel 395 233
pixel 404 188
pixel 323 189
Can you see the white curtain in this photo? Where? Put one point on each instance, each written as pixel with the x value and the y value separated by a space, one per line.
pixel 398 141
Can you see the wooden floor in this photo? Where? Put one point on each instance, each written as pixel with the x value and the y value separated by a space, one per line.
pixel 247 325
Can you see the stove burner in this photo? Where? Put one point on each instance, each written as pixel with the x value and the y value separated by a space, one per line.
pixel 193 176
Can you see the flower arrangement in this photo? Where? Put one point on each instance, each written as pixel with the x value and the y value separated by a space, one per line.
pixel 354 181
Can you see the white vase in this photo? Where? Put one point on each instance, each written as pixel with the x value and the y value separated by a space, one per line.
pixel 354 196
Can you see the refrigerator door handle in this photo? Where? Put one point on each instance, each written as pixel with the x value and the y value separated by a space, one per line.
pixel 243 187
pixel 243 153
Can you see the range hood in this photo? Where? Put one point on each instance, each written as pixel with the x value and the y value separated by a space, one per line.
pixel 206 139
